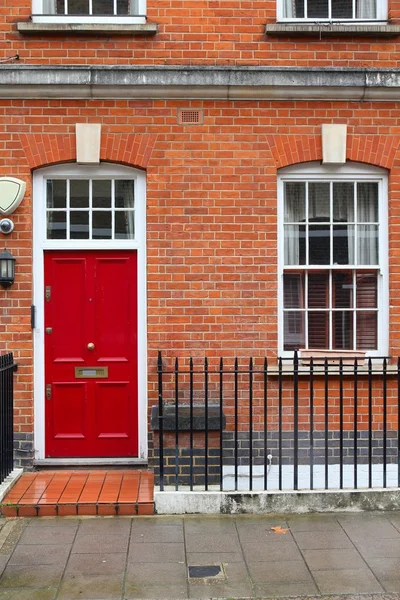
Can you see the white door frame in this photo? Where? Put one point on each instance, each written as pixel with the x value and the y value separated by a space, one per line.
pixel 40 245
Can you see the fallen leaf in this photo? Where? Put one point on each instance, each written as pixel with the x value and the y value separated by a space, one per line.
pixel 279 529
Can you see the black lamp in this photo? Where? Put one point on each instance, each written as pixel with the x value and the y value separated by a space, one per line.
pixel 7 269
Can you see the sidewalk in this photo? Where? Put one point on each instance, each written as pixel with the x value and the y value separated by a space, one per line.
pixel 148 557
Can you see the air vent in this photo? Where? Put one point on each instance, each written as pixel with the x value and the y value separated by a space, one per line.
pixel 187 116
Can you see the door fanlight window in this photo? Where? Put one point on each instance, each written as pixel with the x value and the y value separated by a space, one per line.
pixel 90 209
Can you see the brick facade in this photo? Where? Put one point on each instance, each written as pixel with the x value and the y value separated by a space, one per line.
pixel 211 188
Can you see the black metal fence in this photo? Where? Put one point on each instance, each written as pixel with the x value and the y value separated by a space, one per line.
pixel 7 368
pixel 298 424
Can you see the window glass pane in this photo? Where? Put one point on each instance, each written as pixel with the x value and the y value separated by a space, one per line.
pixel 318 332
pixel 319 245
pixel 56 193
pixel 367 202
pixel 56 225
pixel 101 225
pixel 319 201
pixel 342 9
pixel 295 245
pixel 293 290
pixel 60 7
pixel 295 202
pixel 342 289
pixel 317 9
pixel 367 290
pixel 78 7
pixel 343 202
pixel 103 7
pixel 101 193
pixel 343 244
pixel 318 290
pixel 124 224
pixel 367 332
pixel 124 194
pixel 79 225
pixel 342 330
pixel 367 245
pixel 79 193
pixel 124 7
pixel 293 326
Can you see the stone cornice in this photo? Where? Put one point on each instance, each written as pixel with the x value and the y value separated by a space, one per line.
pixel 203 82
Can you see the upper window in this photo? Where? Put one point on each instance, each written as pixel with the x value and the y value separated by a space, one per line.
pixel 89 11
pixel 333 258
pixel 332 10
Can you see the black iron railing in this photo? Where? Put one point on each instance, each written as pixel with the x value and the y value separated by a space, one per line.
pixel 7 368
pixel 297 424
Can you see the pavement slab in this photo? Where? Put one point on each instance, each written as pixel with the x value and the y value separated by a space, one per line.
pixel 335 556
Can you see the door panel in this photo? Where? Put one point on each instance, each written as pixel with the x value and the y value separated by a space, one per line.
pixel 91 323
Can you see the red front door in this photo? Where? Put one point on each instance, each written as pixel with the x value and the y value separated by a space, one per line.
pixel 91 392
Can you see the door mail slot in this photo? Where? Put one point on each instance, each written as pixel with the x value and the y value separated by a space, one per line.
pixel 91 372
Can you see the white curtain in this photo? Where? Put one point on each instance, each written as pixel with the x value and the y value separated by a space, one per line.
pixel 289 9
pixel 294 213
pixel 366 9
pixel 367 212
pixel 49 7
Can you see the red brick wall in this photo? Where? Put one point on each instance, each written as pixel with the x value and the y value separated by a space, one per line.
pixel 211 212
pixel 199 31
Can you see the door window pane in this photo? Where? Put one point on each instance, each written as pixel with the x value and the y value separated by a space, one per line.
pixel 56 225
pixel 124 225
pixel 101 225
pixel 124 194
pixel 56 193
pixel 101 193
pixel 79 225
pixel 79 193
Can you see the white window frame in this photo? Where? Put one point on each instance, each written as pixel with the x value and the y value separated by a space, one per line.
pixel 349 172
pixel 381 15
pixel 41 244
pixel 38 16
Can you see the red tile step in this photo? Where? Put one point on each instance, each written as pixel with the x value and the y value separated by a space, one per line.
pixel 67 493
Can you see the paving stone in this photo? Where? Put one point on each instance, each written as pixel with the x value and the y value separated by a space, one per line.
pixel 90 587
pixel 346 581
pixel 3 561
pixel 160 533
pixel 386 548
pixel 333 559
pixel 313 523
pixel 320 540
pixel 23 576
pixel 152 592
pixel 106 543
pixel 95 564
pixel 215 525
pixel 212 543
pixel 40 555
pixel 105 525
pixel 271 551
pixel 279 573
pixel 163 573
pixel 20 594
pixel 286 589
pixel 53 522
pixel 211 558
pixel 236 585
pixel 153 553
pixel 48 535
pixel 379 528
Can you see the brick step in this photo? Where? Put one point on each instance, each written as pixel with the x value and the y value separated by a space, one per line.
pixel 78 492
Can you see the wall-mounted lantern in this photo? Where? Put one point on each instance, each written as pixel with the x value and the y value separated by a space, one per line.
pixel 7 269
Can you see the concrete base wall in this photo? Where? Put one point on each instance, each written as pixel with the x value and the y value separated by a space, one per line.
pixel 186 502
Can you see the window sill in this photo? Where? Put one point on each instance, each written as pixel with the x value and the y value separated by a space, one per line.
pixel 332 29
pixel 136 29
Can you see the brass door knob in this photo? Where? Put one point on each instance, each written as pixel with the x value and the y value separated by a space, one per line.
pixel 90 346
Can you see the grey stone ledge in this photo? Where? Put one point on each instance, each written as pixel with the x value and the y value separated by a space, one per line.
pixel 202 82
pixel 328 29
pixel 140 29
